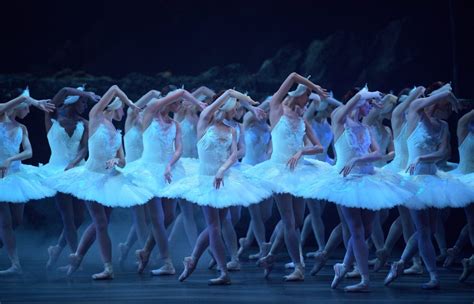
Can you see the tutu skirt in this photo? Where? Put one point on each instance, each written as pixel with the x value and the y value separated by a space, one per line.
pixel 109 188
pixel 22 185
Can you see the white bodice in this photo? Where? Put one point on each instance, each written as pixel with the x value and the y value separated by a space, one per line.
pixel 287 138
pixel 257 138
pixel 158 142
pixel 466 155
pixel 383 140
pixel 188 129
pixel 103 146
pixel 422 141
pixel 233 124
pixel 353 142
pixel 400 161
pixel 133 142
pixel 214 149
pixel 324 133
pixel 64 148
pixel 10 141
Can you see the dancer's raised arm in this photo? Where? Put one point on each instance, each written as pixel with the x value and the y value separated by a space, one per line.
pixel 463 124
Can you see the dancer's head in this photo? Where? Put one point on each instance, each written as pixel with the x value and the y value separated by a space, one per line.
pixel 227 110
pixel 115 109
pixel 298 98
pixel 21 110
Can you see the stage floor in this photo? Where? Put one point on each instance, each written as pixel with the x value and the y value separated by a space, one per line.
pixel 248 286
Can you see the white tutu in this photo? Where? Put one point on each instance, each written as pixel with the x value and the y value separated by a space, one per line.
pixel 440 191
pixel 236 190
pixel 150 175
pixel 376 191
pixel 281 179
pixel 23 185
pixel 111 189
pixel 190 165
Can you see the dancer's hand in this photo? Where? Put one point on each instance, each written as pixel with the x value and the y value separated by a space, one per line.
pixel 135 108
pixel 411 168
pixel 93 96
pixel 455 104
pixel 168 174
pixel 321 92
pixel 348 167
pixel 294 160
pixel 4 168
pixel 219 179
pixel 44 105
pixel 112 163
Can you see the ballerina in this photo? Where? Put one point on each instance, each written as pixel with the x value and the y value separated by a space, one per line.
pixel 352 178
pixel 18 184
pixel 427 143
pixel 216 186
pixel 318 114
pixel 67 134
pixel 99 182
pixel 188 117
pixel 257 149
pixel 403 225
pixel 158 166
pixel 384 138
pixel 465 171
pixel 283 171
pixel 133 143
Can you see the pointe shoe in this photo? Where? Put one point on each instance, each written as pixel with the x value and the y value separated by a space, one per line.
pixel 311 254
pixel 54 252
pixel 74 263
pixel 166 269
pixel 224 279
pixel 123 253
pixel 431 285
pixel 320 260
pixel 267 263
pixel 290 265
pixel 360 287
pixel 372 262
pixel 233 265
pixel 452 254
pixel 296 276
pixel 107 274
pixel 15 269
pixel 467 269
pixel 382 257
pixel 415 269
pixel 395 271
pixel 142 258
pixel 355 273
pixel 189 266
pixel 339 273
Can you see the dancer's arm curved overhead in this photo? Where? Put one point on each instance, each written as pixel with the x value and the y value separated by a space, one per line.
pixel 285 87
pixel 398 114
pixel 421 103
pixel 159 104
pixel 106 99
pixel 141 103
pixel 463 123
pixel 208 113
